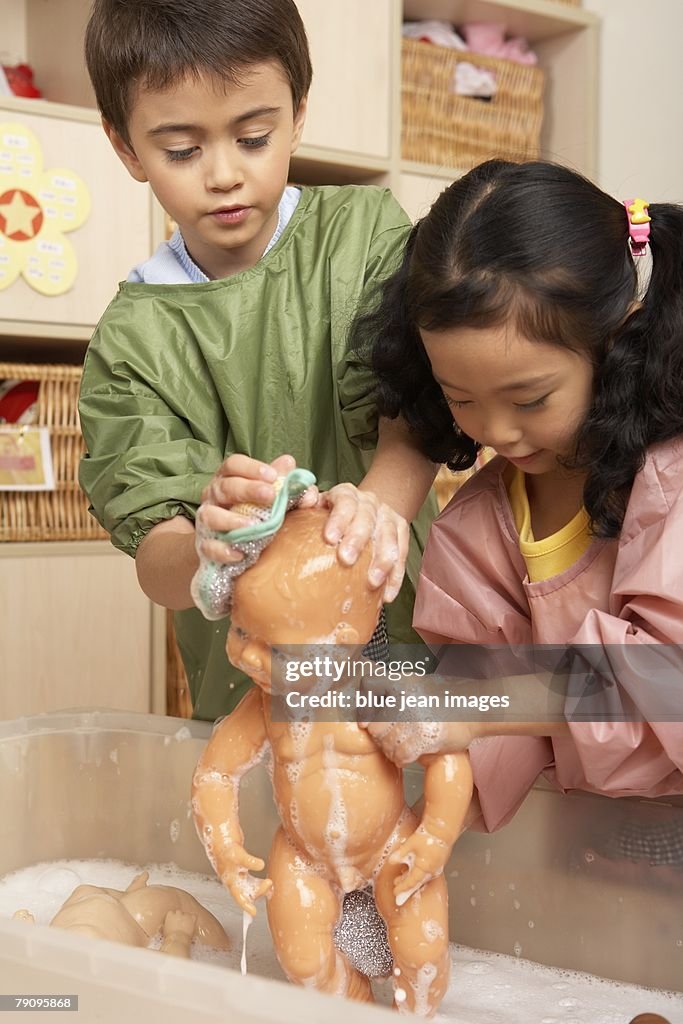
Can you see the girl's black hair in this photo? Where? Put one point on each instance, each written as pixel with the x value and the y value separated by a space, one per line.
pixel 541 245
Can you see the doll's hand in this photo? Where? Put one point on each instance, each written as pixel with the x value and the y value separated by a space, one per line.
pixel 179 923
pixel 425 856
pixel 245 889
pixel 240 480
pixel 356 518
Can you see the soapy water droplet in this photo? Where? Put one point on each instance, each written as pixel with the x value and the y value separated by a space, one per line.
pixel 589 856
pixel 679 942
pixel 174 830
pixel 530 923
pixel 477 967
pixel 516 904
pixel 473 900
pixel 517 949
pixel 511 886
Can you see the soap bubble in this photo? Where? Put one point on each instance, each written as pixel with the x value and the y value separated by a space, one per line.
pixel 58 881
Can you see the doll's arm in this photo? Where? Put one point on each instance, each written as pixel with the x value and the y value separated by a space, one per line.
pixel 447 798
pixel 236 745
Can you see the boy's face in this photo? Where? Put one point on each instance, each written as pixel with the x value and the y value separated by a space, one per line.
pixel 217 158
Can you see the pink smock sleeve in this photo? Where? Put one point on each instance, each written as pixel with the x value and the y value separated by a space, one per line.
pixel 638 649
pixel 470 592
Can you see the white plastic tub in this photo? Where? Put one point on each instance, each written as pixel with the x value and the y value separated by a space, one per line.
pixel 115 785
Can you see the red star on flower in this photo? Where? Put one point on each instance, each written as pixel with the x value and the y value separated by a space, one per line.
pixel 21 216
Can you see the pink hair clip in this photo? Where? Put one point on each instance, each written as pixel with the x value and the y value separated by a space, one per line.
pixel 638 224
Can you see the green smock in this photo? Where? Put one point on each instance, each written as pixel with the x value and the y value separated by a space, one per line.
pixel 178 377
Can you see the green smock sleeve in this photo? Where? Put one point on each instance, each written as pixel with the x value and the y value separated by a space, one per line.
pixel 152 425
pixel 356 382
pixel 356 388
pixel 177 377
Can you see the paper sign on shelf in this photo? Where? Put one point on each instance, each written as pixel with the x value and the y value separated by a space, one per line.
pixel 25 459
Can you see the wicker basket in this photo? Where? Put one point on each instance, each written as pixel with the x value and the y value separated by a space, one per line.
pixel 447 483
pixel 61 514
pixel 442 127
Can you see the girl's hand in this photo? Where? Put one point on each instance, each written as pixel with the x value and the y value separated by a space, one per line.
pixel 239 480
pixel 406 742
pixel 356 518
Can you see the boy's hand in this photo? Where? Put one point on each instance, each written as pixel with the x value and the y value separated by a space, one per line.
pixel 356 518
pixel 240 480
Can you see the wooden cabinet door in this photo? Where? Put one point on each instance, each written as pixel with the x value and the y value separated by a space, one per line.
pixel 76 631
pixel 353 46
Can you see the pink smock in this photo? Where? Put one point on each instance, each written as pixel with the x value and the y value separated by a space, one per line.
pixel 474 589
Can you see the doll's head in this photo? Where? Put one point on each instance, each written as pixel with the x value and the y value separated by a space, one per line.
pixel 298 593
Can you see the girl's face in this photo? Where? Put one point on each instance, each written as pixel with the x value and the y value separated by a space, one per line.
pixel 526 399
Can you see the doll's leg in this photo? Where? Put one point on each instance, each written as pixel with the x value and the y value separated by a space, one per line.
pixel 418 937
pixel 303 910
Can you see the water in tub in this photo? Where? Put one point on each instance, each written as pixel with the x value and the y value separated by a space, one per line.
pixel 486 988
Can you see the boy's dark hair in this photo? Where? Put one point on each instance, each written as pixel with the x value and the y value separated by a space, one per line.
pixel 542 246
pixel 154 43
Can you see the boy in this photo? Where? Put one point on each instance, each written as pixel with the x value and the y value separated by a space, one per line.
pixel 232 339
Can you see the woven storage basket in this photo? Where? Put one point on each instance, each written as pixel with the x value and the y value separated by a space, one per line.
pixel 61 514
pixel 447 483
pixel 442 127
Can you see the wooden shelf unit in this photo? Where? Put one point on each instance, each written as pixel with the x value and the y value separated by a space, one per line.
pixel 75 628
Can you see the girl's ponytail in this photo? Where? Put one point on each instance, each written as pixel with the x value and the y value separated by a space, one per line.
pixel 639 383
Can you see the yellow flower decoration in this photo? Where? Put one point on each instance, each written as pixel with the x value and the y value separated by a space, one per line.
pixel 36 208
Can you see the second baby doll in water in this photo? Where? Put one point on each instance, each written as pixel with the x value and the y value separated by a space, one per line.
pixel 344 821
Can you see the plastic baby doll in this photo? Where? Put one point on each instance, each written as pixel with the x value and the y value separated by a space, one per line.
pixel 344 822
pixel 134 916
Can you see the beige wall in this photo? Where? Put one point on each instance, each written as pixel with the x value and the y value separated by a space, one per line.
pixel 640 134
pixel 12 31
pixel 641 85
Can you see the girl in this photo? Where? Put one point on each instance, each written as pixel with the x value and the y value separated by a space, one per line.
pixel 532 315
